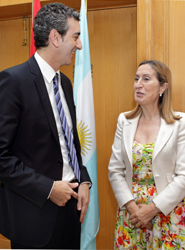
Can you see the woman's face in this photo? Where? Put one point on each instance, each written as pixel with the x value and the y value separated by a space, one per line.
pixel 146 86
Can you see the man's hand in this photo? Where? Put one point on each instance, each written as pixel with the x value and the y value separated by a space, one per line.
pixel 83 200
pixel 62 192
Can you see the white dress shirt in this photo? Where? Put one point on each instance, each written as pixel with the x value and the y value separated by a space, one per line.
pixel 48 75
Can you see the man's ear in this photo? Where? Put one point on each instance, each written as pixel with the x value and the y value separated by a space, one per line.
pixel 55 37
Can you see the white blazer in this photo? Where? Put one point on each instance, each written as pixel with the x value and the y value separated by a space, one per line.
pixel 168 162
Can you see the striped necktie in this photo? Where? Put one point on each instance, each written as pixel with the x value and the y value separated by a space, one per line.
pixel 73 161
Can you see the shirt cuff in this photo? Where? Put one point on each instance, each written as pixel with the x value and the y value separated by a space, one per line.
pixel 90 184
pixel 50 191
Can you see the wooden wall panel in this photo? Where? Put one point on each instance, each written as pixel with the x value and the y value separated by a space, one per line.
pixel 152 30
pixel 11 36
pixel 177 52
pixel 161 36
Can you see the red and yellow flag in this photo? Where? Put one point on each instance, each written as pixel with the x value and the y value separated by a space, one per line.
pixel 36 8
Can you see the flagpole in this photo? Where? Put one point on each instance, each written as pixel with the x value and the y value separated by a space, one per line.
pixel 32 9
pixel 85 5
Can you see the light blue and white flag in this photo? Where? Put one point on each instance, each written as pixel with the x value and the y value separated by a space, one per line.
pixel 83 97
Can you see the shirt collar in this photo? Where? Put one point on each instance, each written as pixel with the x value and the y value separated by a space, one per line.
pixel 46 70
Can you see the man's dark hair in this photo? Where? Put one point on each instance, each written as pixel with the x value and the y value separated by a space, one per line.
pixel 52 16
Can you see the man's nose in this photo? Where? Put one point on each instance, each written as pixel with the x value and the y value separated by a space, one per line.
pixel 79 44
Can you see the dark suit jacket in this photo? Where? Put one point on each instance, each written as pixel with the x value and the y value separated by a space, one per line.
pixel 30 155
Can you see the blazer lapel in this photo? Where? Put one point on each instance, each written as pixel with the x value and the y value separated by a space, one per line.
pixel 129 131
pixel 40 85
pixel 164 134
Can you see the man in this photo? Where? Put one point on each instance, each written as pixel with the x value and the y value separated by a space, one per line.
pixel 42 204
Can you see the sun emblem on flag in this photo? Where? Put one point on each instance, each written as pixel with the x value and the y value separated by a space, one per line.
pixel 84 135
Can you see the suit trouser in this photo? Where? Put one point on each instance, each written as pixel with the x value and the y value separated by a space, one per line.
pixel 66 232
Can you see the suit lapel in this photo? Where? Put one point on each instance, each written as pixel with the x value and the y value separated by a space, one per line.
pixel 40 85
pixel 129 131
pixel 164 134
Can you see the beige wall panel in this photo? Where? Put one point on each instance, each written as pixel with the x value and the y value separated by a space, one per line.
pixel 153 30
pixel 143 30
pixel 11 36
pixel 161 30
pixel 161 36
pixel 177 53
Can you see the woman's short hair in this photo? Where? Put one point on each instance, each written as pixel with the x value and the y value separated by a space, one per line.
pixel 163 75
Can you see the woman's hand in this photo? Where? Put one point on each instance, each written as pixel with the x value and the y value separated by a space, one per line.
pixel 142 217
pixel 132 208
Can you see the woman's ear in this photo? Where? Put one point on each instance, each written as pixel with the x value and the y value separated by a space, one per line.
pixel 164 87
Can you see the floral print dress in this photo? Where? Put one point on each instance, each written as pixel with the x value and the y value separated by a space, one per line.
pixel 168 231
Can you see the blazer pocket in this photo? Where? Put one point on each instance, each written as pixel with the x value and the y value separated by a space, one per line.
pixel 170 177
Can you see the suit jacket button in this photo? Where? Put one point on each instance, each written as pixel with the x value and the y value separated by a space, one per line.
pixel 60 163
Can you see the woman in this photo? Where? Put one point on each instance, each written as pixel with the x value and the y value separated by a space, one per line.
pixel 147 166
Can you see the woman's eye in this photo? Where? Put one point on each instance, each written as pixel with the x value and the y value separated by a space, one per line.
pixel 146 78
pixel 136 79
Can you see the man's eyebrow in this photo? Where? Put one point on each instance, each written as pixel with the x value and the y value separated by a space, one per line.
pixel 76 33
